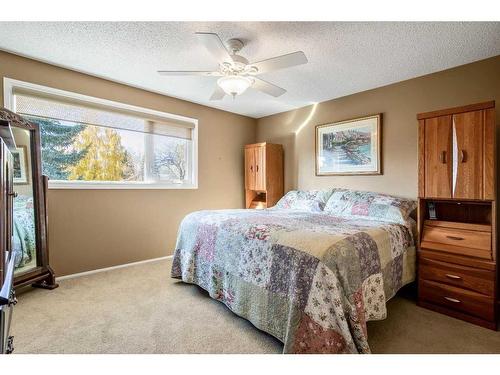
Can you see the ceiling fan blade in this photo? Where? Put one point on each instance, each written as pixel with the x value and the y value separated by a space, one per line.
pixel 280 62
pixel 267 88
pixel 215 46
pixel 188 73
pixel 218 93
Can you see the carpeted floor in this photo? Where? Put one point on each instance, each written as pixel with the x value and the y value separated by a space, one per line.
pixel 140 309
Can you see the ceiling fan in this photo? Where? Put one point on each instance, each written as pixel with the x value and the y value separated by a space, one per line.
pixel 235 72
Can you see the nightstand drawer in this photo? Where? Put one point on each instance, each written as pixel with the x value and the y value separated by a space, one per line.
pixel 458 299
pixel 457 241
pixel 478 280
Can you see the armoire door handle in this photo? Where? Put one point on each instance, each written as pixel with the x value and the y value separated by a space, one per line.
pixel 251 168
pixel 463 156
pixel 256 168
pixel 442 157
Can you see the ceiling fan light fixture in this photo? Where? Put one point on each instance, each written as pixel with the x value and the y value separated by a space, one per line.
pixel 236 72
pixel 234 85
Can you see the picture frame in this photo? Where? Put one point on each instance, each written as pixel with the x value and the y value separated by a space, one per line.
pixel 349 147
pixel 20 165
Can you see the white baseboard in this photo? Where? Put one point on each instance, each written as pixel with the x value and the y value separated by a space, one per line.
pixel 72 276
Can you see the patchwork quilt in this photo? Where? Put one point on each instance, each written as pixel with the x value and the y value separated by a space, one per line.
pixel 310 279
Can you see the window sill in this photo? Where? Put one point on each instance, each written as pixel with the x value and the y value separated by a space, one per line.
pixel 81 185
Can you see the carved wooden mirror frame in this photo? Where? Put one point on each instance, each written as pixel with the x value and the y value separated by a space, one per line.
pixel 42 275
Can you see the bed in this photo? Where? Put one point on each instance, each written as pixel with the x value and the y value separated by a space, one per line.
pixel 310 271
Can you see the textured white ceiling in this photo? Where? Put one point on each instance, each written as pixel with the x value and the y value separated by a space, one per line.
pixel 344 57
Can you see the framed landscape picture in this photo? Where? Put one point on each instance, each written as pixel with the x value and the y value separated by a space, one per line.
pixel 349 147
pixel 20 166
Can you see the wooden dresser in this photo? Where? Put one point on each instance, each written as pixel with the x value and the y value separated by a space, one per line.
pixel 263 175
pixel 457 256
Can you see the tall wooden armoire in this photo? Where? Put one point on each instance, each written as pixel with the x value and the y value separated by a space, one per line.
pixel 457 253
pixel 263 175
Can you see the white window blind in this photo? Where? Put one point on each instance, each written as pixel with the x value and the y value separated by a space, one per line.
pixel 58 108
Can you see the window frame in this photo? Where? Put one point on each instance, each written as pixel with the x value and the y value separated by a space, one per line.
pixel 9 85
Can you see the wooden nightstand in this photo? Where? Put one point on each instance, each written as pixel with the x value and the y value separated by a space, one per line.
pixel 457 272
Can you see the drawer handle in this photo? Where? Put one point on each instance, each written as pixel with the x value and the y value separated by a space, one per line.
pixel 454 300
pixel 455 238
pixel 450 276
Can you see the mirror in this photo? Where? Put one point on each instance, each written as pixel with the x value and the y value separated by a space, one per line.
pixel 24 233
pixel 29 227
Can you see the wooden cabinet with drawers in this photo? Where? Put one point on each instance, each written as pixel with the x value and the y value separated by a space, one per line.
pixel 263 174
pixel 457 255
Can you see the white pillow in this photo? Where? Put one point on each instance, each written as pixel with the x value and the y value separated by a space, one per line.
pixel 308 200
pixel 369 205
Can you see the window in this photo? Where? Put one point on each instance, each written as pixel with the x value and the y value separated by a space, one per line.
pixel 94 143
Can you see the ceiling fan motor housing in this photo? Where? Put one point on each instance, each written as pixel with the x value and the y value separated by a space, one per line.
pixel 234 45
pixel 239 65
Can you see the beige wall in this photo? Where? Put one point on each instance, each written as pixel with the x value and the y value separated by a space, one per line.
pixel 92 229
pixel 399 104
